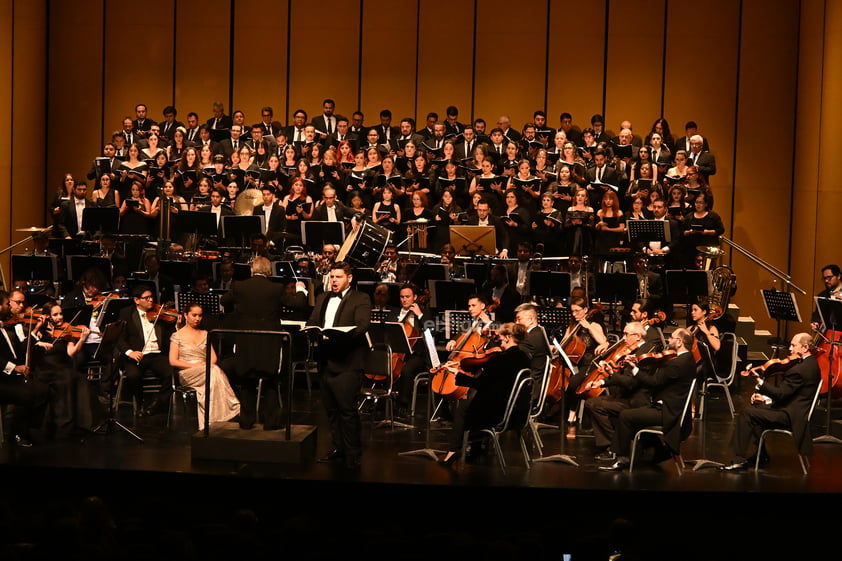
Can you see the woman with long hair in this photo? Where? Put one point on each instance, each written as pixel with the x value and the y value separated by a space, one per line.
pixel 104 196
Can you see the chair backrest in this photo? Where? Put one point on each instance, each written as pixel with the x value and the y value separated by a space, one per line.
pixel 815 400
pixel 538 402
pixel 729 346
pixel 687 402
pixel 521 391
pixel 378 364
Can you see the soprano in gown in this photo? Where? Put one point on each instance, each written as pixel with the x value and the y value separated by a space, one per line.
pixel 224 404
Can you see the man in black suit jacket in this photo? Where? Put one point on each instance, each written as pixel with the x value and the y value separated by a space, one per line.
pixel 69 221
pixel 233 144
pixel 668 385
pixel 330 209
pixel 690 129
pixel 274 216
pixel 417 319
pixel 169 124
pixel 483 217
pixel 667 249
pixel 326 122
pixel 781 404
pixel 220 210
pixel 534 343
pixel 502 294
pixel 341 133
pixel 142 125
pixel 705 161
pixel 295 131
pixel 601 172
pixel 257 303
pixel 342 359
pixel 220 121
pixel 144 347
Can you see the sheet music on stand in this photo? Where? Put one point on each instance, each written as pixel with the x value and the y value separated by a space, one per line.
pixel 456 322
pixel 378 316
pixel 209 302
pixel 648 231
pixel 782 306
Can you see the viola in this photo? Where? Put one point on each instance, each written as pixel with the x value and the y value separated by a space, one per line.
pixel 773 366
pixel 652 359
pixel 659 317
pixel 162 313
pixel 614 359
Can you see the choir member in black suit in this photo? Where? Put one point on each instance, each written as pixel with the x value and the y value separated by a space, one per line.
pixel 69 221
pixel 780 402
pixel 341 358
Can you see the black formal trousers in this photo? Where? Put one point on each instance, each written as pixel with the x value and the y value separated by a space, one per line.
pixel 157 364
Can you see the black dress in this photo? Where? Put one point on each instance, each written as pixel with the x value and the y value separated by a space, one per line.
pixel 578 232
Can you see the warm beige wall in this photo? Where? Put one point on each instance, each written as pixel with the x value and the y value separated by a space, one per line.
pixel 715 66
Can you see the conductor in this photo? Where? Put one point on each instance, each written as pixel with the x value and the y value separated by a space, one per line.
pixel 341 359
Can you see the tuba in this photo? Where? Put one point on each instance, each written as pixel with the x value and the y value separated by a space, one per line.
pixel 723 285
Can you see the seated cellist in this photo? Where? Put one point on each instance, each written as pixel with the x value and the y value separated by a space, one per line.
pixel 414 318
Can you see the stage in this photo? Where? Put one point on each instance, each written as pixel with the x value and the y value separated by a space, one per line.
pixel 409 506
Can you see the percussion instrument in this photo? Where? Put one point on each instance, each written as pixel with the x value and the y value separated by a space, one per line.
pixel 364 247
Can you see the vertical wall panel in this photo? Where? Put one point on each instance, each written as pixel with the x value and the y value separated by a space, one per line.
pixel 260 58
pixel 28 114
pixel 388 58
pixel 138 59
pixel 576 67
pixel 6 27
pixel 75 68
pixel 758 176
pixel 324 61
pixel 510 59
pixel 202 56
pixel 808 245
pixel 445 57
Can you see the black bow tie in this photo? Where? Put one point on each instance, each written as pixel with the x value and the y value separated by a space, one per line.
pixel 336 295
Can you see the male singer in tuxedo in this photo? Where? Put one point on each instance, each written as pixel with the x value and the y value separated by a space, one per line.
pixel 144 345
pixel 70 215
pixel 779 403
pixel 342 132
pixel 274 215
pixel 326 122
pixel 342 359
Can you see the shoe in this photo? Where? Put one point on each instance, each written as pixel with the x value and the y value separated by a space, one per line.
pixel 332 457
pixel 606 456
pixel 736 466
pixel 449 459
pixel 352 463
pixel 475 452
pixel 619 465
pixel 764 460
pixel 571 432
pixel 22 442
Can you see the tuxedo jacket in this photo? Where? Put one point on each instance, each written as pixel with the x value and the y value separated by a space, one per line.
pixel 493 387
pixel 333 140
pixel 277 221
pixel 320 123
pixel 225 211
pixel 343 213
pixel 131 338
pixel 669 386
pixel 624 385
pixel 145 126
pixel 419 348
pixel 168 129
pixel 794 394
pixel 345 352
pixel 225 122
pixel 67 224
pixel 536 346
pixel 706 162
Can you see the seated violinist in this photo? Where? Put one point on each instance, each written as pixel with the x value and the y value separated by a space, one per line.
pixel 779 402
pixel 414 318
pixel 624 391
pixel 54 344
pixel 489 394
pixel 144 347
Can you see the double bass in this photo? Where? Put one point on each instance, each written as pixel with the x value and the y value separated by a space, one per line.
pixel 829 356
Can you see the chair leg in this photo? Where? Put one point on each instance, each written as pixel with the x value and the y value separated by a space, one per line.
pixel 805 463
pixel 759 452
pixel 536 438
pixel 495 439
pixel 730 401
pixel 633 452
pixel 526 458
pixel 703 397
pixel 678 459
pixel 465 436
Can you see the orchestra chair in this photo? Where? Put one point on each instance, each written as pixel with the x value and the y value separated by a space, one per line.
pixel 805 460
pixel 521 393
pixel 423 378
pixel 378 382
pixel 729 342
pixel 538 404
pixel 658 430
pixel 304 362
pixel 186 393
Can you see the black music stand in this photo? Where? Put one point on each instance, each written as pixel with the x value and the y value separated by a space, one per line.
pixel 209 302
pixel 181 272
pixel 561 456
pixel 615 288
pixel 830 312
pixel 35 267
pixel 685 286
pixel 78 264
pixel 315 233
pixel 474 240
pixel 111 309
pixel 97 219
pixel 196 222
pixel 450 295
pixel 781 306
pixel 644 231
pixel 478 271
pixel 241 228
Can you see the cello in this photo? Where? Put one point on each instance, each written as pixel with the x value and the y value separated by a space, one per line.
pixel 471 343
pixel 829 355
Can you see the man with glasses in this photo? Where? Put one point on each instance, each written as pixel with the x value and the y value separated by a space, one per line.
pixel 144 347
pixel 624 392
pixel 668 384
pixel 832 277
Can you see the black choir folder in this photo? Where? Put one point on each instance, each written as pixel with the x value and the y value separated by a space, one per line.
pixel 331 332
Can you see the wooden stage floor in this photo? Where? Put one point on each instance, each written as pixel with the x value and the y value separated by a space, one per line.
pixel 409 502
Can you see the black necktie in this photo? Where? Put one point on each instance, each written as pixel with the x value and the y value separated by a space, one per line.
pixel 327 124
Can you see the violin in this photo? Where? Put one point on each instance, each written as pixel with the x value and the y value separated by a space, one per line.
pixel 67 332
pixel 652 359
pixel 29 317
pixel 162 313
pixel 773 366
pixel 659 317
pixel 614 359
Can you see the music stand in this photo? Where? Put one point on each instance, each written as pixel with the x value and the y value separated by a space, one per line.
pixel 104 353
pixel 474 240
pixel 830 312
pixel 314 232
pixel 549 284
pixel 111 309
pixel 181 272
pixel 209 302
pixel 648 231
pixel 105 219
pixel 196 222
pixel 781 306
pixel 561 456
pixel 35 267
pixel 686 286
pixel 477 271
pixel 450 295
pixel 241 227
pixel 78 264
pixel 615 288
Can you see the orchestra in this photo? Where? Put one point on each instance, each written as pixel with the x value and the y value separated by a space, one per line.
pixel 427 227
